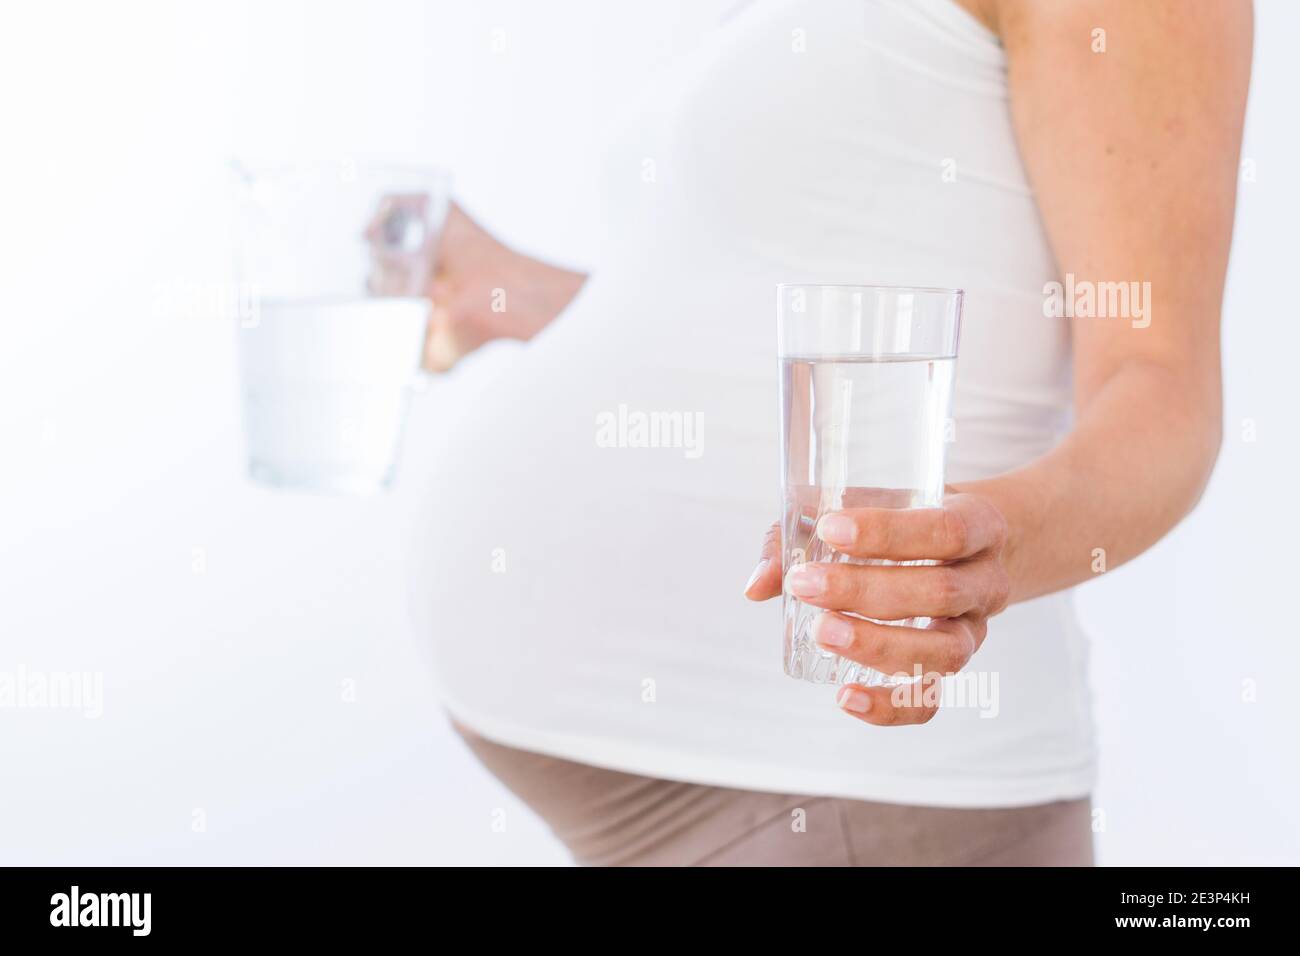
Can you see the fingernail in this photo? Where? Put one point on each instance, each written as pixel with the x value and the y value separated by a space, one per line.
pixel 806 581
pixel 837 529
pixel 758 573
pixel 830 630
pixel 853 700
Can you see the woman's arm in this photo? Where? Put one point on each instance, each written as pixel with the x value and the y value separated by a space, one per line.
pixel 1129 121
pixel 1131 139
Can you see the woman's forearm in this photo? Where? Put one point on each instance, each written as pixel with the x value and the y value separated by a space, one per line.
pixel 1157 145
pixel 1135 463
pixel 543 290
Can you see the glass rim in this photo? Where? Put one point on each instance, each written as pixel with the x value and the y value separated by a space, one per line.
pixel 844 319
pixel 863 287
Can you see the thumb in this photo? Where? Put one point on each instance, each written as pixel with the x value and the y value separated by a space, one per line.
pixel 441 347
pixel 765 582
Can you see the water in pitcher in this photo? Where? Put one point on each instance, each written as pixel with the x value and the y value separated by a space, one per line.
pixel 858 432
pixel 325 386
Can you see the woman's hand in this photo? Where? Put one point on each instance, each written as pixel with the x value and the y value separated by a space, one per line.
pixel 483 290
pixel 960 593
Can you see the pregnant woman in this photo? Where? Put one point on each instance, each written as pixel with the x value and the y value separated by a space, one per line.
pixel 592 643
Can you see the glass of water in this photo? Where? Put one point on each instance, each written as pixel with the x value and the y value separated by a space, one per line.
pixel 333 260
pixel 866 387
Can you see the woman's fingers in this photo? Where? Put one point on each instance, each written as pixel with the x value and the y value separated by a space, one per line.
pixel 966 525
pixel 967 583
pixel 943 648
pixel 894 592
pixel 765 581
pixel 913 703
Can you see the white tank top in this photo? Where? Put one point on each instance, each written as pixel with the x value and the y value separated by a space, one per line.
pixel 585 590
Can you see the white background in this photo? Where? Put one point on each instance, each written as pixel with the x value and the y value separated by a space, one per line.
pixel 227 620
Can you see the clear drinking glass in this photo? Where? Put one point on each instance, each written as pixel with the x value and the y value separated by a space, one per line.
pixel 334 259
pixel 866 386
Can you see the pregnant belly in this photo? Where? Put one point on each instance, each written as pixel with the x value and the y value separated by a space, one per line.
pixel 594 516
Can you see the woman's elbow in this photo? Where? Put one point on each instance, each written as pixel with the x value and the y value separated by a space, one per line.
pixel 1209 434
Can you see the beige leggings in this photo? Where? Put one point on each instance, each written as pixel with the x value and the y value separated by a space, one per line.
pixel 607 818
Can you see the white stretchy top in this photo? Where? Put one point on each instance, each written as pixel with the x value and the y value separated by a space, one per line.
pixel 585 599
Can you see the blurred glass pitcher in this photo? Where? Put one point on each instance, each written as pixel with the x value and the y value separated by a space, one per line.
pixel 336 259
